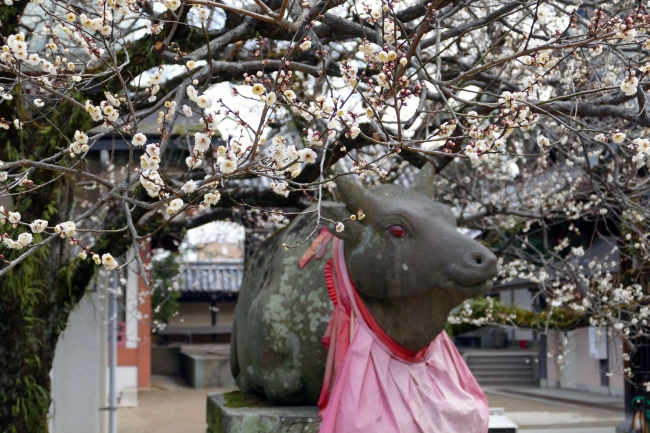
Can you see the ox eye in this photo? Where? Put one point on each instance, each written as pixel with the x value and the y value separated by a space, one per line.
pixel 397 231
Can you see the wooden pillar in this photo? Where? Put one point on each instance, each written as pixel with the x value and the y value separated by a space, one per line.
pixel 213 315
pixel 144 326
pixel 638 352
pixel 543 359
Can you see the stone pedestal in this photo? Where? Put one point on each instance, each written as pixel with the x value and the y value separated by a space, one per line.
pixel 207 368
pixel 235 412
pixel 624 427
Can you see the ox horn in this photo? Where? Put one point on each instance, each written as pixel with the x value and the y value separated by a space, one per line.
pixel 353 194
pixel 424 180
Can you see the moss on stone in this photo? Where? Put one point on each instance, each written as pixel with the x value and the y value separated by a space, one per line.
pixel 240 399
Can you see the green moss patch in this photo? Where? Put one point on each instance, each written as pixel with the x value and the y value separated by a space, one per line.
pixel 240 399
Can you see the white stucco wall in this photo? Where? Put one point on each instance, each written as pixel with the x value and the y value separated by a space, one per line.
pixel 131 303
pixel 77 374
pixel 125 377
pixel 580 370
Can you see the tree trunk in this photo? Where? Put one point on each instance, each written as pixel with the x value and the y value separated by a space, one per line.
pixel 37 295
pixel 36 299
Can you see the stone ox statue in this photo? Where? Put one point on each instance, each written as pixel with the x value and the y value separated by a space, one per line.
pixel 409 264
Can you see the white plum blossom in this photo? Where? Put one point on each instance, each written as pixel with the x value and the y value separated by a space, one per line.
pixel 25 239
pixel 355 130
pixel 280 188
pixel 13 217
pixel 155 29
pixel 174 206
pixel 642 145
pixel 38 226
pixel 543 13
pixel 626 36
pixel 80 137
pixel 382 80
pixel 307 156
pixel 193 162
pixel 66 229
pixel 271 99
pixel 212 198
pixel 139 139
pixel 349 72
pixel 596 50
pixel 629 85
pixel 292 153
pixel 512 169
pixel 11 244
pixel 192 93
pixel 203 14
pixel 472 117
pixel 203 101
pixel 109 262
pixel 602 138
pixel 96 114
pixel 542 141
pixel 150 160
pixel 259 89
pixel 227 166
pixel 189 187
pixel 151 181
pixel 618 137
pixel 172 5
pixel 278 152
pixel 340 227
pixel 201 142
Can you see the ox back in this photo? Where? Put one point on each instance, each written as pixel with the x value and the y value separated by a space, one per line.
pixel 281 316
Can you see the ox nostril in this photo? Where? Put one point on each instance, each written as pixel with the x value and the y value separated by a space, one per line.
pixel 473 267
pixel 477 259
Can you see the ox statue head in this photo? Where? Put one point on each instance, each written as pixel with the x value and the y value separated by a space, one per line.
pixel 408 261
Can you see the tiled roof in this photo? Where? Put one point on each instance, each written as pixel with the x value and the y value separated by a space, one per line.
pixel 223 276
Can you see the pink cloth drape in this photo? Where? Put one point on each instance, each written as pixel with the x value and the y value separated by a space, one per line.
pixel 372 384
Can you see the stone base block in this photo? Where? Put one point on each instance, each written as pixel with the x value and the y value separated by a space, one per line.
pixel 624 427
pixel 236 412
pixel 210 370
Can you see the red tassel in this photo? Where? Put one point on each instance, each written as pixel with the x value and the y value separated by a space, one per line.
pixel 329 281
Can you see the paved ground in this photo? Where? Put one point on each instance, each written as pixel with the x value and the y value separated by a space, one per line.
pixel 558 411
pixel 168 407
pixel 171 407
pixel 572 430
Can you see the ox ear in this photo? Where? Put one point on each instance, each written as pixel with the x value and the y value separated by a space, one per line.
pixel 424 180
pixel 340 212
